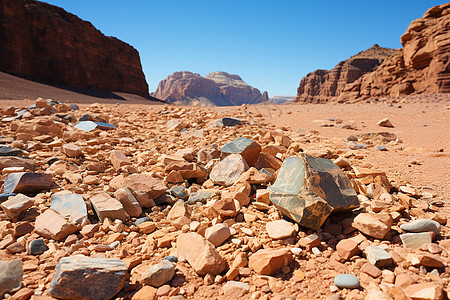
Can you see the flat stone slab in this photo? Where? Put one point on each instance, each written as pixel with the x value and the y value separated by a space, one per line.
pixel 27 183
pixel 16 204
pixel 248 148
pixel 415 240
pixel 378 257
pixel 90 125
pixel 107 207
pixel 279 229
pixel 70 205
pixel 81 277
pixel 11 273
pixel 52 225
pixel 422 225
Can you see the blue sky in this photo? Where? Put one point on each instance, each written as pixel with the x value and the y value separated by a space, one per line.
pixel 270 44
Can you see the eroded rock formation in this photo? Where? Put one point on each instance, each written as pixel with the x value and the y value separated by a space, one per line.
pixel 45 43
pixel 217 88
pixel 323 85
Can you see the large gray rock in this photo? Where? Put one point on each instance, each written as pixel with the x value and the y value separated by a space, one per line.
pixel 249 149
pixel 309 189
pixel 70 205
pixel 11 273
pixel 81 277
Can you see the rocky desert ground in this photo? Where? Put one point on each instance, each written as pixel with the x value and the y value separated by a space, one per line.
pixel 158 209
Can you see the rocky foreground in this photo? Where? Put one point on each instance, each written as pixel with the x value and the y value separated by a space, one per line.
pixel 168 202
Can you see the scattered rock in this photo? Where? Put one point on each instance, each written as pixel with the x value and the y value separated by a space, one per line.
pixel 416 240
pixel 385 123
pixel 11 273
pixel 37 247
pixel 70 205
pixel 107 207
pixel 425 291
pixel 269 261
pixel 227 171
pixel 346 281
pixel 16 204
pixel 27 183
pixel 422 225
pixel 235 289
pixel 217 234
pixel 249 149
pixel 378 257
pixel 279 229
pixel 158 274
pixel 347 248
pixel 52 225
pixel 374 225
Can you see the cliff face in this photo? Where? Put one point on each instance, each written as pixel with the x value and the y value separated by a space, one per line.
pixel 323 85
pixel 45 43
pixel 217 88
pixel 422 66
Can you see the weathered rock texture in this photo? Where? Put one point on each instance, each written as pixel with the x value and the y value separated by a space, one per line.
pixel 45 43
pixel 323 85
pixel 217 88
pixel 422 66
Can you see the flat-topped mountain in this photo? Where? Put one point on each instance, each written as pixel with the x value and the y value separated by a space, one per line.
pixel 216 88
pixel 323 85
pixel 45 43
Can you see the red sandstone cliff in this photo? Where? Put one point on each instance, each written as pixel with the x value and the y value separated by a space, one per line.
pixel 323 85
pixel 45 43
pixel 217 88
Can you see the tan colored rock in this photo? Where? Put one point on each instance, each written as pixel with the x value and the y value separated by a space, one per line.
pixel 269 261
pixel 347 248
pixel 174 177
pixel 217 234
pixel 140 182
pixel 187 170
pixel 280 229
pixel 426 260
pixel 71 150
pixel 129 202
pixel 200 254
pixel 179 209
pixel 107 207
pixel 374 225
pixel 228 170
pixel 16 204
pixel 385 123
pixel 425 291
pixel 52 225
pixel 371 270
pixel 262 196
pixel 145 293
pixel 118 159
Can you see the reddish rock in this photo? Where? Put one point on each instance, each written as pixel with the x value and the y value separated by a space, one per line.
pixel 71 150
pixel 118 159
pixel 228 170
pixel 425 291
pixel 347 249
pixel 371 270
pixel 107 207
pixel 269 261
pixel 45 43
pixel 52 225
pixel 217 234
pixel 16 204
pixel 129 202
pixel 374 225
pixel 249 149
pixel 200 254
pixel 140 182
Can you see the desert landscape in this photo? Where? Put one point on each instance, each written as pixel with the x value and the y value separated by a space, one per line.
pixel 208 188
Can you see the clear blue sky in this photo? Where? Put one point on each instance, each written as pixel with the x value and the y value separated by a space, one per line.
pixel 270 44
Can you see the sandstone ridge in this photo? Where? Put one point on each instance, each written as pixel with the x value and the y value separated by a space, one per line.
pixel 45 43
pixel 323 85
pixel 216 88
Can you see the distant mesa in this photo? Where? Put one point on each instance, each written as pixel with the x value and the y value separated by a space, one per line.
pixel 216 88
pixel 422 66
pixel 45 43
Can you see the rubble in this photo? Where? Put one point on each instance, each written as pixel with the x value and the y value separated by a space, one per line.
pixel 10 276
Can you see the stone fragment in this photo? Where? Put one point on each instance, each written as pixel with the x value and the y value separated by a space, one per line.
pixel 81 277
pixel 262 195
pixel 140 182
pixel 227 122
pixel 144 200
pixel 199 196
pixel 416 240
pixel 52 225
pixel 71 150
pixel 70 205
pixel 27 183
pixel 89 126
pixel 118 159
pixel 174 177
pixel 146 293
pixel 385 123
pixel 309 241
pixel 371 270
pixel 422 225
pixel 268 161
pixel 158 274
pixel 16 204
pixel 7 162
pixel 374 225
pixel 227 171
pixel 37 247
pixel 200 254
pixel 11 273
pixel 347 248
pixel 279 229
pixel 129 202
pixel 308 189
pixel 404 280
pixel 235 289
pixel 269 261
pixel 378 257
pixel 179 209
pixel 426 260
pixel 187 170
pixel 347 281
pixel 178 191
pixel 249 149
pixel 107 207
pixel 9 151
pixel 218 233
pixel 425 291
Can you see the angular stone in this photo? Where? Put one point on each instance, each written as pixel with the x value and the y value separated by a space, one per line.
pixel 187 170
pixel 174 177
pixel 52 225
pixel 224 208
pixel 404 280
pixel 347 248
pixel 268 161
pixel 269 261
pixel 235 289
pixel 107 207
pixel 385 123
pixel 426 260
pixel 129 202
pixel 200 196
pixel 71 150
pixel 378 257
pixel 179 209
pixel 227 171
pixel 422 225
pixel 140 182
pixel 158 274
pixel 89 126
pixel 143 199
pixel 146 293
pixel 118 159
pixel 374 225
pixel 371 270
pixel 249 149
pixel 16 204
pixel 227 122
pixel 11 273
pixel 309 241
pixel 37 247
pixel 8 151
pixel 416 240
pixel 17 162
pixel 262 195
pixel 425 291
pixel 27 183
pixel 308 189
pixel 81 277
pixel 218 233
pixel 70 205
pixel 279 229
pixel 200 254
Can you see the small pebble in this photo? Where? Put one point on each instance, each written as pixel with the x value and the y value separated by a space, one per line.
pixel 348 281
pixel 171 258
pixel 38 247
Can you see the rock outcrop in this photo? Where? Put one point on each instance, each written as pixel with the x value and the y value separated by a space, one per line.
pixel 45 43
pixel 421 67
pixel 217 88
pixel 323 85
